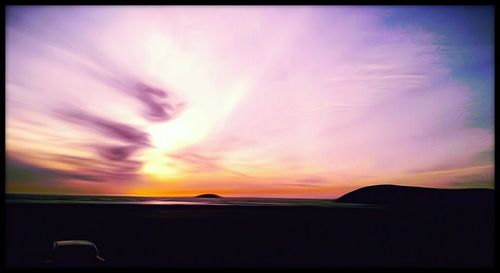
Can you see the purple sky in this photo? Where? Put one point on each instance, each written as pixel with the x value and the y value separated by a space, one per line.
pixel 261 101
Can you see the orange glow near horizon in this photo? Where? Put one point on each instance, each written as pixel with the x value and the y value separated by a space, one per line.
pixel 272 102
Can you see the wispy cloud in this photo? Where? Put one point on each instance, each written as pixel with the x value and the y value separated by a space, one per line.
pixel 109 128
pixel 268 94
pixel 157 111
pixel 116 153
pixel 19 171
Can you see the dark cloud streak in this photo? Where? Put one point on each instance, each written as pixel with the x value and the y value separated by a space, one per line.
pixel 114 163
pixel 21 171
pixel 116 153
pixel 107 127
pixel 160 104
pixel 106 170
pixel 157 110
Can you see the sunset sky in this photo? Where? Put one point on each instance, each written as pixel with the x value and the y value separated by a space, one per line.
pixel 248 101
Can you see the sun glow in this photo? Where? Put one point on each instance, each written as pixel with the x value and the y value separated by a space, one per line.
pixel 186 130
pixel 159 167
pixel 263 101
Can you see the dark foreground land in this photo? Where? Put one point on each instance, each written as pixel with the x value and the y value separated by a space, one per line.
pixel 236 236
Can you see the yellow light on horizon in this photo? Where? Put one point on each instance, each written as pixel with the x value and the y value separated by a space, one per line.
pixel 159 167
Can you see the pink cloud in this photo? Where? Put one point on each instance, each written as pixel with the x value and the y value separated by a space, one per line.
pixel 293 92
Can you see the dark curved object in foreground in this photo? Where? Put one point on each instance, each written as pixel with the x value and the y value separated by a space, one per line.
pixel 405 196
pixel 208 195
pixel 74 253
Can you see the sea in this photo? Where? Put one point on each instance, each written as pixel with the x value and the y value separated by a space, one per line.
pixel 222 201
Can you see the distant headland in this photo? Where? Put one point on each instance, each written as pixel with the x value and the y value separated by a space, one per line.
pixel 394 195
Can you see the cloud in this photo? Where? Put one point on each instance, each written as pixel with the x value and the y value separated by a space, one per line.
pixel 305 185
pixel 275 93
pixel 159 104
pixel 204 162
pixel 106 170
pixel 157 110
pixel 478 181
pixel 109 128
pixel 75 167
pixel 116 153
pixel 313 180
pixel 54 43
pixel 19 171
pixel 197 161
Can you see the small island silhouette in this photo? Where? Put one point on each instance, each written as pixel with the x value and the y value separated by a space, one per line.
pixel 208 195
pixel 385 235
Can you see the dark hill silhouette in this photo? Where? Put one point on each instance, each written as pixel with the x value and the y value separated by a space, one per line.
pixel 208 195
pixel 394 195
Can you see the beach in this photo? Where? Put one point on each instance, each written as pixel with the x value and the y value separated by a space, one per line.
pixel 129 235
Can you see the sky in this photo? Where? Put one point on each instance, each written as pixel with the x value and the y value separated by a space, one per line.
pixel 298 101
